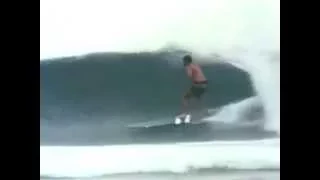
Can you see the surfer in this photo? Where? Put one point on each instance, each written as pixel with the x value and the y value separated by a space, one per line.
pixel 198 79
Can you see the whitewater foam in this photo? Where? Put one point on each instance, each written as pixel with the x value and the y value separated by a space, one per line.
pixel 264 71
pixel 95 161
pixel 236 112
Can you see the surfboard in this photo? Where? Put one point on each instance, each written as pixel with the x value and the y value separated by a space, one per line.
pixel 197 117
pixel 190 119
pixel 150 124
pixel 181 119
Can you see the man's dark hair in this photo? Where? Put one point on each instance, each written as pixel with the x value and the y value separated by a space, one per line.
pixel 187 59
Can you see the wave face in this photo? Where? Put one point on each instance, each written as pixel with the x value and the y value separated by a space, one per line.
pixel 92 99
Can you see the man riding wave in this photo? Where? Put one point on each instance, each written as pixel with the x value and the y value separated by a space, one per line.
pixel 198 79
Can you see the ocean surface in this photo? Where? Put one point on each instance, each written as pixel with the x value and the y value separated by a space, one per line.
pixel 88 102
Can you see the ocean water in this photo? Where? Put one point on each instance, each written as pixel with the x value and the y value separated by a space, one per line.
pixel 87 103
pixel 88 99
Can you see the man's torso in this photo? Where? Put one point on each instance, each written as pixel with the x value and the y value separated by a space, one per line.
pixel 196 73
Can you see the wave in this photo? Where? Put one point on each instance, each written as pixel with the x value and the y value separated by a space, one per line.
pixel 130 84
pixel 87 102
pixel 92 99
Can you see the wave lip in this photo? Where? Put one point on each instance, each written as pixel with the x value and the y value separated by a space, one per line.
pixel 93 161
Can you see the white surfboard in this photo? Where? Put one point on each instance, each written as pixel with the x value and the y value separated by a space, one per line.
pixel 150 124
pixel 184 118
pixel 196 118
pixel 178 120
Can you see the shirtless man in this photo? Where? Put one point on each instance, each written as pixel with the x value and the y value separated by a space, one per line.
pixel 199 81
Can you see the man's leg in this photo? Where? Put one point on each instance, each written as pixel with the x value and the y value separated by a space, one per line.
pixel 199 106
pixel 185 101
pixel 196 93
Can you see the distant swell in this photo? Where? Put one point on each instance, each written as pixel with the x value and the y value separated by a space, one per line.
pixel 190 172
